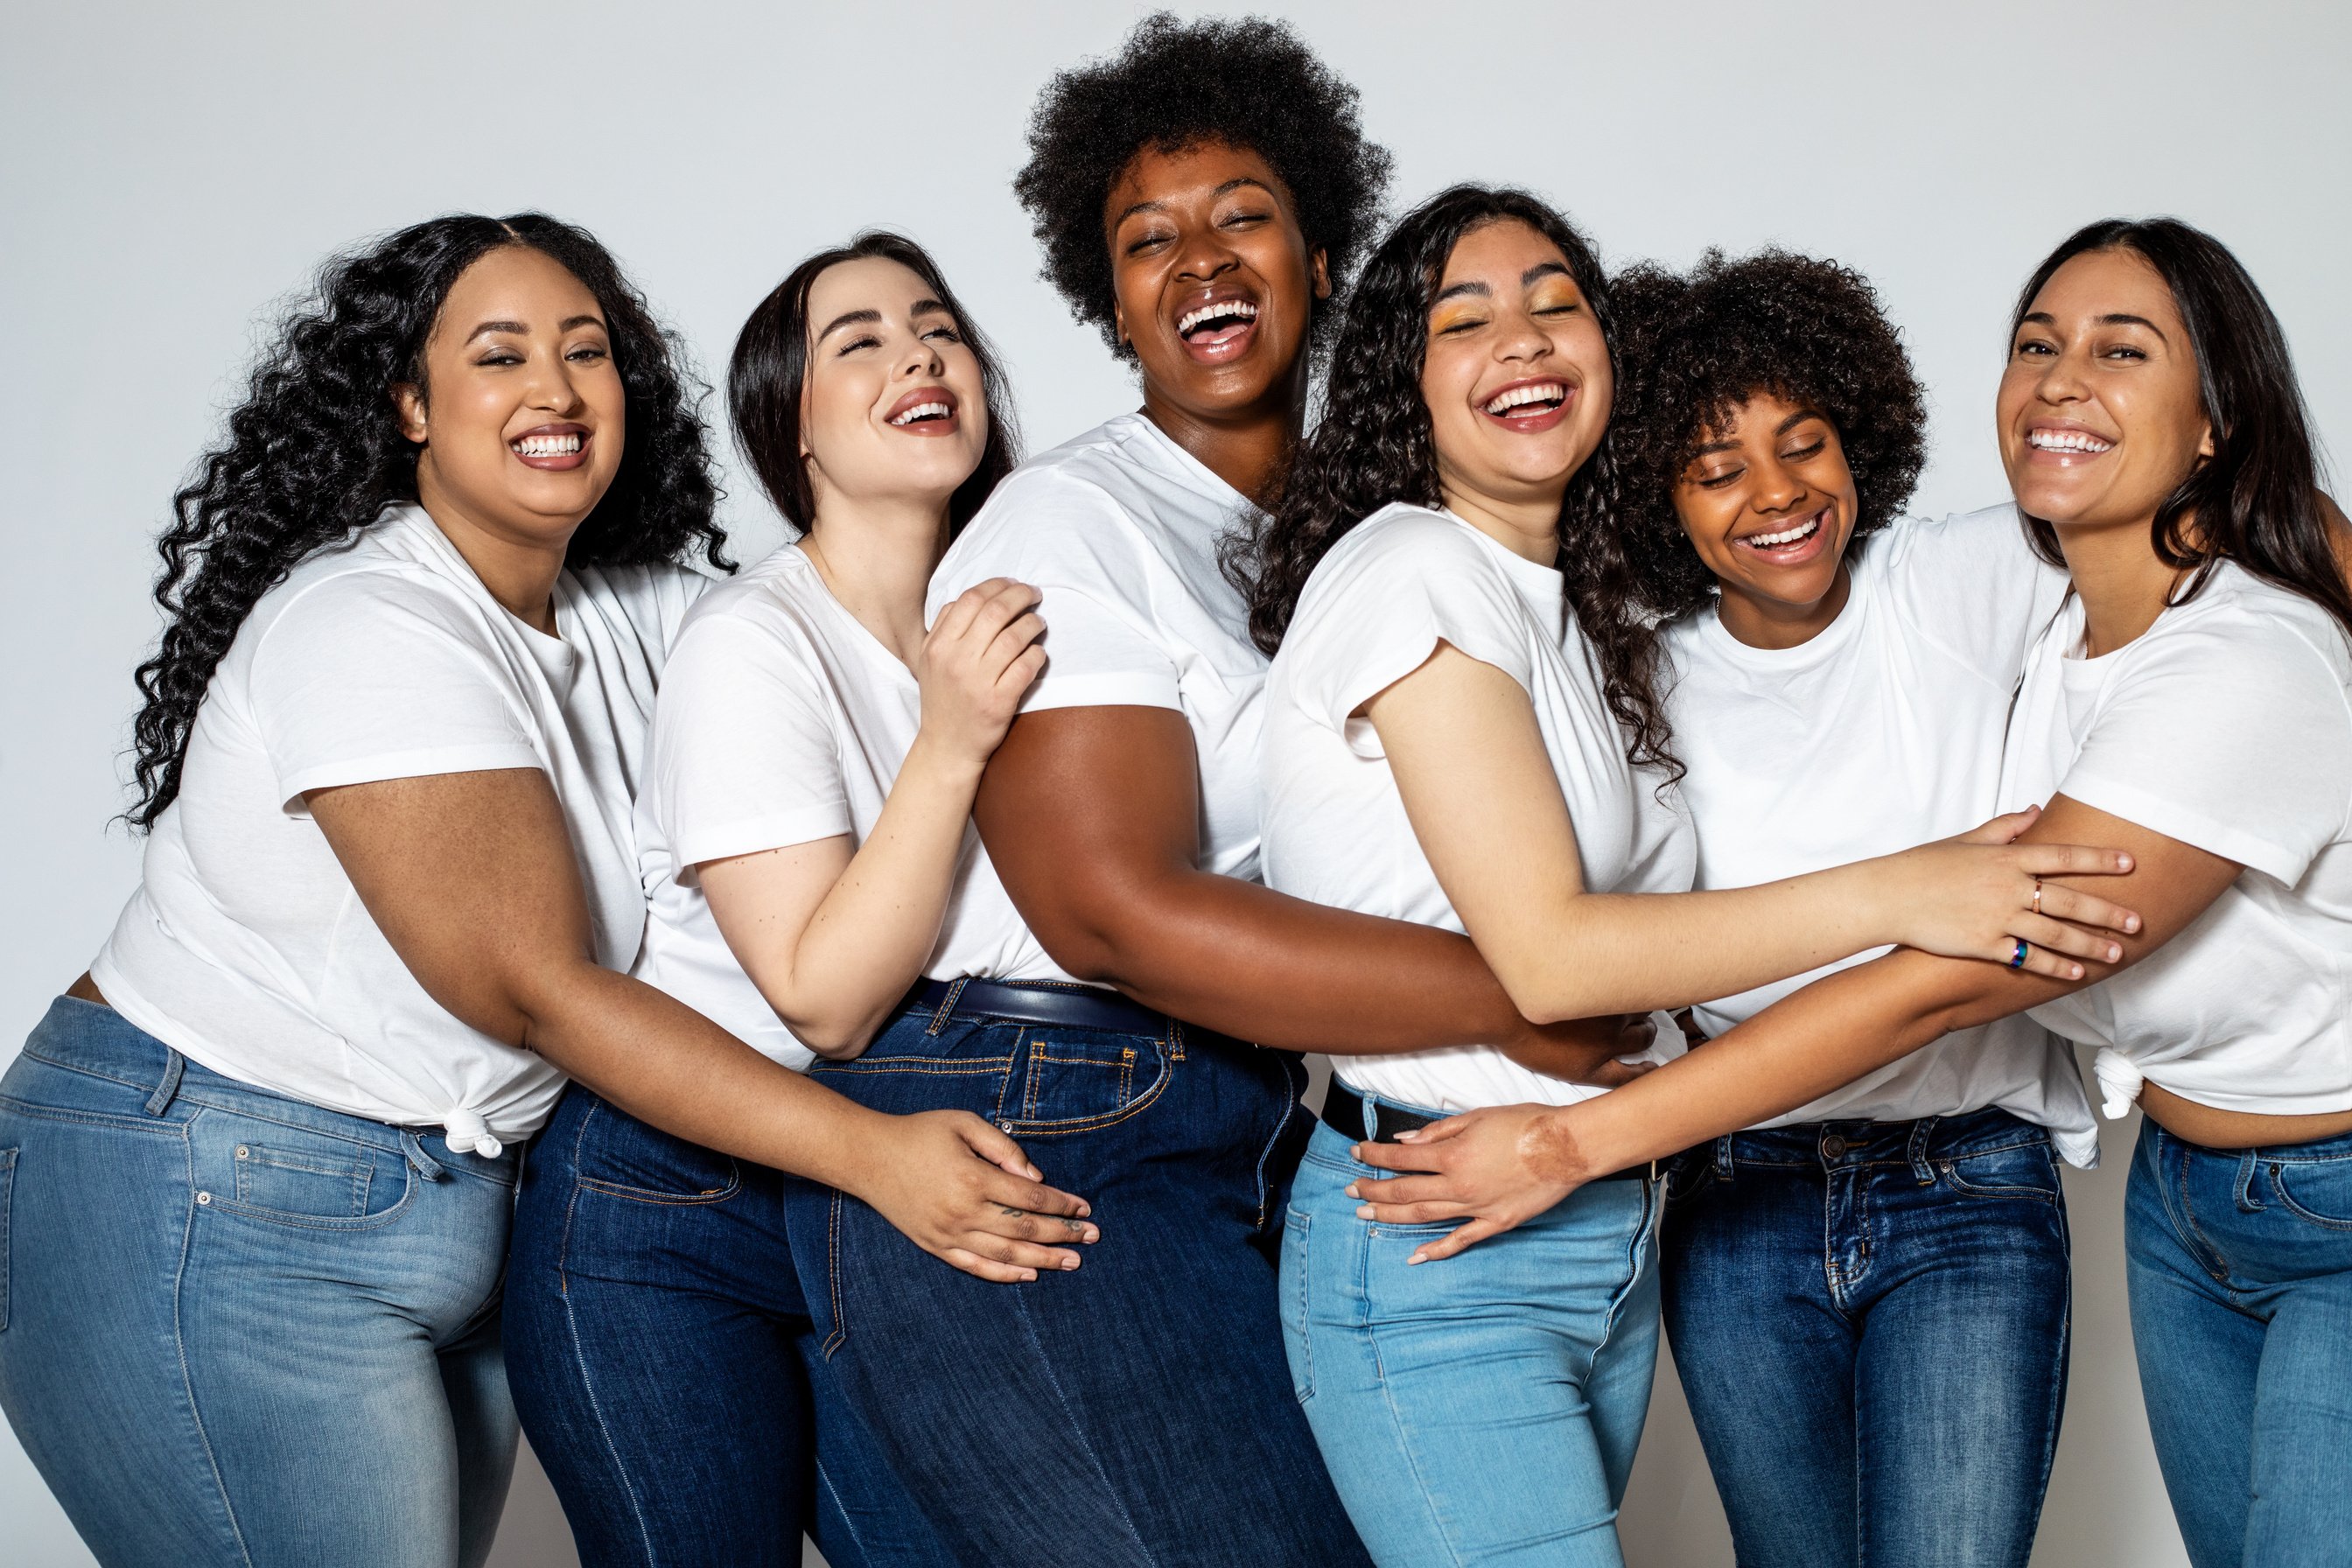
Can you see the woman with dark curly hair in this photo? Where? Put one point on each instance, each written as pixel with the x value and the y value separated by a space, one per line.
pixel 1462 729
pixel 264 1154
pixel 1840 689
pixel 2191 701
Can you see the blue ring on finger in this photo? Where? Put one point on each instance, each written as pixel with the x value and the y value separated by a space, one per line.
pixel 2017 959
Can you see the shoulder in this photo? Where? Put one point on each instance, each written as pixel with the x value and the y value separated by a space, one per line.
pixel 765 604
pixel 2243 632
pixel 1404 543
pixel 356 595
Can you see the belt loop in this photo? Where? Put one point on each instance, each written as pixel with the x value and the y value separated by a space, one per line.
pixel 947 1006
pixel 425 1164
pixel 167 1088
pixel 1722 1158
pixel 1371 1118
pixel 1921 1131
pixel 2247 1201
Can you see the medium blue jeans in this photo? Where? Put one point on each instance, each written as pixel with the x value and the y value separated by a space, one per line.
pixel 2241 1270
pixel 666 1369
pixel 240 1329
pixel 1134 1413
pixel 1870 1322
pixel 1483 1409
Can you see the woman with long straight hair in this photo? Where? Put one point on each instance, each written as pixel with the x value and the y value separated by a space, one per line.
pixel 2192 702
pixel 261 1160
pixel 1463 729
pixel 803 825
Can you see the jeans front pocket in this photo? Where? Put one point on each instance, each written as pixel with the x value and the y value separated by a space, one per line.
pixel 2026 1171
pixel 2318 1191
pixel 623 1158
pixel 8 1192
pixel 288 1175
pixel 1297 1341
pixel 1070 1080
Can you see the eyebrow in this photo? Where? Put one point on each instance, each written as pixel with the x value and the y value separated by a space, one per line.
pixel 519 329
pixel 873 318
pixel 1541 270
pixel 1235 184
pixel 1782 428
pixel 2112 319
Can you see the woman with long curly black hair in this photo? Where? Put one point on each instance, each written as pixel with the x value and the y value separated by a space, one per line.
pixel 263 1156
pixel 1841 685
pixel 1463 729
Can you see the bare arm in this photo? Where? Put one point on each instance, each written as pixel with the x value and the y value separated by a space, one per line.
pixel 1479 788
pixel 1496 1168
pixel 833 937
pixel 472 880
pixel 1092 817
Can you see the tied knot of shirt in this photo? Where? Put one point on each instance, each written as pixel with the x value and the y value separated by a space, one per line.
pixel 469 1135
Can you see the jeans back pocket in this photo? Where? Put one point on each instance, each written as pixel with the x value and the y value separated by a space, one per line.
pixel 7 1191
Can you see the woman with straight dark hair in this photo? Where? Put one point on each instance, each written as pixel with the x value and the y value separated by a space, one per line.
pixel 2191 702
pixel 802 823
pixel 1464 728
pixel 261 1161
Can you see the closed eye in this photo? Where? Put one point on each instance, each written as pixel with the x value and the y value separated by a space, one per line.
pixel 854 344
pixel 1716 481
pixel 945 335
pixel 1803 452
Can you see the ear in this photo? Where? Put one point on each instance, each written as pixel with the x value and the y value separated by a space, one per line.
pixel 2205 442
pixel 1118 323
pixel 408 402
pixel 1318 268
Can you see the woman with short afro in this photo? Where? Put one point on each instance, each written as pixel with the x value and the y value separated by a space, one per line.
pixel 1199 197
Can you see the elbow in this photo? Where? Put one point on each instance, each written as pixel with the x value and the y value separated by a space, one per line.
pixel 1093 934
pixel 1538 995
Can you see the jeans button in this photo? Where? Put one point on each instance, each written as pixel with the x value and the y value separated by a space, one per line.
pixel 1005 1128
pixel 1833 1146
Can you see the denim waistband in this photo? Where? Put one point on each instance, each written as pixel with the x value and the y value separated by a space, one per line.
pixel 90 1038
pixel 2318 1151
pixel 1856 1146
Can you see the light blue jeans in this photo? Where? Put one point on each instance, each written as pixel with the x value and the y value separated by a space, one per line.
pixel 237 1329
pixel 1483 1409
pixel 2241 1270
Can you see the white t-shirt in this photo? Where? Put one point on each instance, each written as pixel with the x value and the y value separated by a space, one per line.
pixel 1883 732
pixel 246 950
pixel 1375 608
pixel 1118 530
pixel 781 722
pixel 2226 725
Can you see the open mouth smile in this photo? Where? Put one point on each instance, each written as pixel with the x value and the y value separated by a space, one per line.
pixel 553 448
pixel 926 411
pixel 1219 329
pixel 2065 442
pixel 1528 406
pixel 1793 544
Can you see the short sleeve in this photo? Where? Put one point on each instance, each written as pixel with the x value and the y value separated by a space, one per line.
pixel 2233 735
pixel 1069 541
pixel 1973 583
pixel 371 676
pixel 744 754
pixel 1373 615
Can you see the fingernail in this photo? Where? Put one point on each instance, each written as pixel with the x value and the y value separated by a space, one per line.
pixel 2074 972
pixel 1353 1192
pixel 1085 1210
pixel 1035 1173
pixel 1070 1262
pixel 1092 1235
pixel 2131 922
pixel 2124 861
pixel 1416 1257
pixel 1365 1212
pixel 2113 952
pixel 1028 1275
pixel 1411 1136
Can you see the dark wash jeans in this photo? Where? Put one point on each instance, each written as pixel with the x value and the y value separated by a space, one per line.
pixel 1137 1411
pixel 666 1369
pixel 1870 1320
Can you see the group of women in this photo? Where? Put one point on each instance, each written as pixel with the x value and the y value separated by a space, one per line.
pixel 904 1013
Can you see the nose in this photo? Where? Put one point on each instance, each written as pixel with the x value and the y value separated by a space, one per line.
pixel 922 358
pixel 1204 255
pixel 2061 379
pixel 550 386
pixel 1774 486
pixel 1521 339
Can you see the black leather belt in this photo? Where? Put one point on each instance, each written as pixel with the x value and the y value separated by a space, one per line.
pixel 1037 1001
pixel 1348 1113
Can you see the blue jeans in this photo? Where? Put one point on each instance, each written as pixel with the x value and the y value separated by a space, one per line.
pixel 1483 1409
pixel 1870 1320
pixel 666 1368
pixel 1134 1413
pixel 240 1329
pixel 2241 1270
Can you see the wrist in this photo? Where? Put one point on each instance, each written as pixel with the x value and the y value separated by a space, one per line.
pixel 1560 1149
pixel 942 759
pixel 854 1149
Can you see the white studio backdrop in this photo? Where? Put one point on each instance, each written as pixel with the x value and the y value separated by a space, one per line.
pixel 168 171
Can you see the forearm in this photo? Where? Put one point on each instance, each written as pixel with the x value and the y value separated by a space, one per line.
pixel 665 1064
pixel 1260 966
pixel 875 927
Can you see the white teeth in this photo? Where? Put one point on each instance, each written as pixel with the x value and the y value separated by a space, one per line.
pixel 1240 310
pixel 547 445
pixel 1541 391
pixel 2066 441
pixel 1804 530
pixel 921 411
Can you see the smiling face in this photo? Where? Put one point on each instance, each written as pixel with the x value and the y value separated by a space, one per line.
pixel 892 406
pixel 521 412
pixel 1516 376
pixel 1215 281
pixel 2100 412
pixel 1769 504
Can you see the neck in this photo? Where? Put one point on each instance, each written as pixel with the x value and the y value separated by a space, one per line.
pixel 1526 526
pixel 875 557
pixel 1764 623
pixel 519 571
pixel 1250 447
pixel 2123 585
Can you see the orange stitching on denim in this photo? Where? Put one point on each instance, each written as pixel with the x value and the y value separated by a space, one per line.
pixel 1090 1123
pixel 833 1275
